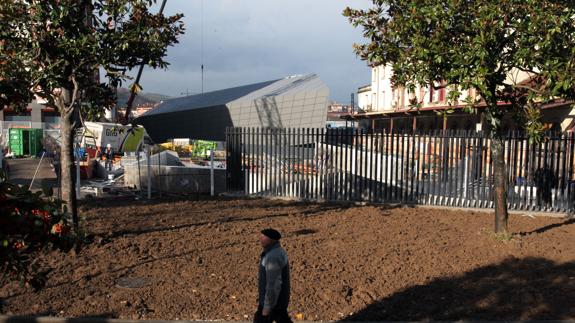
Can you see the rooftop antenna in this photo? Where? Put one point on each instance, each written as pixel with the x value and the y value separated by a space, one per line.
pixel 202 41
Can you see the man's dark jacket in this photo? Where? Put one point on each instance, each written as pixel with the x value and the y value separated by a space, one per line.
pixel 274 279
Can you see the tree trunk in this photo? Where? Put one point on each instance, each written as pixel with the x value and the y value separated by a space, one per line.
pixel 68 173
pixel 500 184
pixel 494 116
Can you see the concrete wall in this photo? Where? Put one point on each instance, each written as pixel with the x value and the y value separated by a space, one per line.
pixel 381 88
pixel 364 101
pixel 173 179
pixel 36 113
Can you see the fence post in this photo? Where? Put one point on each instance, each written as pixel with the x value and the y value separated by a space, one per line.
pixel 149 172
pixel 212 172
pixel 139 172
pixel 77 154
pixel 160 173
pixel 245 155
pixel 465 178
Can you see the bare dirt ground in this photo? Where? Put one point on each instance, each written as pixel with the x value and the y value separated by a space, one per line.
pixel 198 260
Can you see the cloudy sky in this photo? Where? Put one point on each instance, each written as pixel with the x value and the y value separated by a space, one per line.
pixel 249 41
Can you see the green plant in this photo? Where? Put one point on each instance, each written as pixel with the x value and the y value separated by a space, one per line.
pixel 29 224
pixel 201 148
pixel 504 236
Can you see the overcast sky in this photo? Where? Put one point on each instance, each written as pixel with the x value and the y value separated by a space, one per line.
pixel 250 41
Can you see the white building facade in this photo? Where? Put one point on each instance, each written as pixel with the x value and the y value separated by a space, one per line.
pixel 382 96
pixel 390 106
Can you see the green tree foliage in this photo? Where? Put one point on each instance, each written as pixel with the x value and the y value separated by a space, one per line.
pixel 483 45
pixel 53 49
pixel 60 44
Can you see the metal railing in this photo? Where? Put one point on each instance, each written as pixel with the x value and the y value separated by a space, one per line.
pixel 450 168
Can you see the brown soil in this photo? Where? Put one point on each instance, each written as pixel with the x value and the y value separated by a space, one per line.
pixel 198 260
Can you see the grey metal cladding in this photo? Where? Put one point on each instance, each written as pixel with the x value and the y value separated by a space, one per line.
pixel 291 102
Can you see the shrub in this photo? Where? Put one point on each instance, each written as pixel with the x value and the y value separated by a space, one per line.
pixel 30 223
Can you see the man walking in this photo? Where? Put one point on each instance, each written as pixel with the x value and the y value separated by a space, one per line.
pixel 274 280
pixel 109 153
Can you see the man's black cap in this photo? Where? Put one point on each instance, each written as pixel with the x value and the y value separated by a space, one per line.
pixel 272 234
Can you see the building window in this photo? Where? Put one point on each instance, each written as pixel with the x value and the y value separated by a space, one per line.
pixel 51 117
pixel 442 94
pixel 402 95
pixel 25 117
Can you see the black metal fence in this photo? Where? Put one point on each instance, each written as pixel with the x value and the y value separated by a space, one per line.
pixel 449 168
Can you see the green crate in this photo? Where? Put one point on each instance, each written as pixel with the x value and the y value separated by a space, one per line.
pixel 16 141
pixel 35 141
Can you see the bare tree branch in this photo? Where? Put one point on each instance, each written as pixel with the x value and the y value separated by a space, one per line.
pixel 74 94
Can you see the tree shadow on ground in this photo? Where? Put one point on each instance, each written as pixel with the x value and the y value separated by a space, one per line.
pixel 137 231
pixel 515 289
pixel 569 221
pixel 247 202
pixel 257 202
pixel 136 227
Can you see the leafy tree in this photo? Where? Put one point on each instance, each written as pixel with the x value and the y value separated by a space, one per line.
pixel 53 50
pixel 479 44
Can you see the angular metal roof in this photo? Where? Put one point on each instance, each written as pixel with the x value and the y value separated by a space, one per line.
pixel 206 99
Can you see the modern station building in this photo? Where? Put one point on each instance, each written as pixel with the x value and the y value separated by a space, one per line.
pixel 296 101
